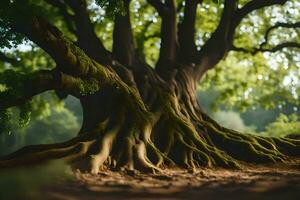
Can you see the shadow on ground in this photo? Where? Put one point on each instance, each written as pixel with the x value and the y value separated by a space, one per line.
pixel 53 181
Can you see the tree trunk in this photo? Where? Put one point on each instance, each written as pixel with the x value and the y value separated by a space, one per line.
pixel 135 117
pixel 160 124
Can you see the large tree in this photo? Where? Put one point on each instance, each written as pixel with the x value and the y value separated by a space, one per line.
pixel 135 115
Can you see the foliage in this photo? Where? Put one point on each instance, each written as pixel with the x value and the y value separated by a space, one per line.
pixel 246 80
pixel 51 122
pixel 89 87
pixel 244 83
pixel 5 120
pixel 232 120
pixel 114 7
pixel 284 125
pixel 252 120
pixel 20 184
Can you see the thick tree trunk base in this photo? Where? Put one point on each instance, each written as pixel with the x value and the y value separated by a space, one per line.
pixel 176 133
pixel 162 127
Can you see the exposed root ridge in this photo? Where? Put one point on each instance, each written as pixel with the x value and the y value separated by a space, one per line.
pixel 251 148
pixel 149 143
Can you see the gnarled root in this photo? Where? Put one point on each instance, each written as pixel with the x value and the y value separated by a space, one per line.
pixel 148 143
pixel 118 142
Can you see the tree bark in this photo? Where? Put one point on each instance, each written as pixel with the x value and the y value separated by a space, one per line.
pixel 136 117
pixel 187 31
pixel 123 47
pixel 160 125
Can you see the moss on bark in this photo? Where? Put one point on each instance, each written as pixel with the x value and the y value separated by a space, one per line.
pixel 131 137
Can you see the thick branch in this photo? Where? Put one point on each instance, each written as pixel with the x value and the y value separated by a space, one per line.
pixel 70 58
pixel 32 85
pixel 168 32
pixel 123 48
pixel 253 5
pixel 186 31
pixel 38 82
pixel 50 39
pixel 87 38
pixel 168 35
pixel 219 43
pixel 45 35
pixel 221 40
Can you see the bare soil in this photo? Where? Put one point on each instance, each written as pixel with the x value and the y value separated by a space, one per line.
pixel 252 182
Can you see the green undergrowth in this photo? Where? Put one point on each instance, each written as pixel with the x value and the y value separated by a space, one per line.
pixel 29 182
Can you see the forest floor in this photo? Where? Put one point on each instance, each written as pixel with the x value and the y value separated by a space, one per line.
pixel 274 182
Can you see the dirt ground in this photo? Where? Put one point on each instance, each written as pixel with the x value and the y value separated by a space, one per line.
pixel 252 182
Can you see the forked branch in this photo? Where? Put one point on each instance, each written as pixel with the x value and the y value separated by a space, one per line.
pixel 278 25
pixel 252 6
pixel 262 47
pixel 221 41
pixel 88 40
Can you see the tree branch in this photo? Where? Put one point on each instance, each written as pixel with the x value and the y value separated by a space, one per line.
pixel 271 49
pixel 221 40
pixel 49 38
pixel 7 59
pixel 254 5
pixel 70 59
pixel 186 32
pixel 123 47
pixel 62 7
pixel 31 85
pixel 75 74
pixel 219 43
pixel 282 46
pixel 284 25
pixel 250 7
pixel 168 35
pixel 87 38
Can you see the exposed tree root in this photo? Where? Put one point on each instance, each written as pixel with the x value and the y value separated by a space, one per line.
pixel 136 117
pixel 176 134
